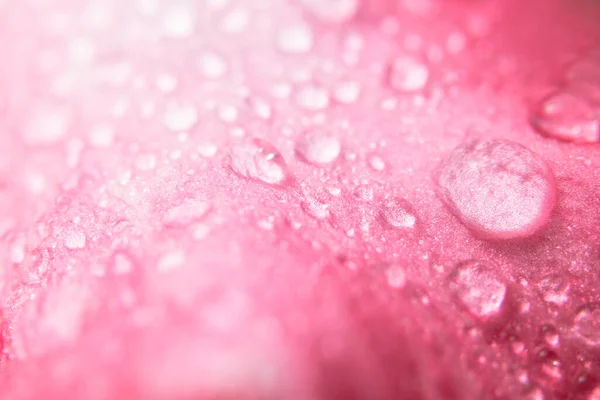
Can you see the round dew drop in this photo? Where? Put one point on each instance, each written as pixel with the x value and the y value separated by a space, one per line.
pixel 259 160
pixel 332 11
pixel 408 74
pixel 586 324
pixel 398 213
pixel 477 288
pixel 497 188
pixel 318 149
pixel 567 116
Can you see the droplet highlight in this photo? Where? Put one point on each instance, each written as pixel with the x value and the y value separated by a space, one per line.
pixel 318 148
pixel 586 324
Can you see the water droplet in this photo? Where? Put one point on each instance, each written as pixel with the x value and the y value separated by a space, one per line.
pixel 180 117
pixel 396 277
pixel 122 264
pixel 555 290
pixel 74 239
pixel 547 362
pixel 178 22
pixel 550 335
pixel 235 21
pixel 594 394
pixel 259 160
pixel 408 74
pixel 47 125
pixel 260 107
pixel 586 324
pixel 567 116
pixel 295 39
pixel 312 98
pixel 186 213
pixel 364 193
pixel 17 249
pixel 399 213
pixel 166 83
pixel 347 92
pixel 212 65
pixel 497 188
pixel 101 135
pixel 171 260
pixel 332 11
pixel 477 288
pixel 145 162
pixel 376 163
pixel 318 148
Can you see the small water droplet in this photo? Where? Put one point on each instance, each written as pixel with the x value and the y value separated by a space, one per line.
pixel 171 260
pixel 586 324
pixel 166 83
pixel 260 107
pixel 74 239
pixel 347 92
pixel 332 11
pixel 17 250
pixel 235 21
pixel 364 193
pixel 145 162
pixel 318 148
pixel 212 65
pixel 178 22
pixel 316 207
pixel 122 264
pixel 550 335
pixel 408 74
pixel 186 213
pixel 259 160
pixel 295 39
pixel 180 117
pixel 396 277
pixel 47 125
pixel 101 135
pixel 399 213
pixel 555 289
pixel 566 116
pixel 478 289
pixel 312 98
pixel 376 163
pixel 549 365
pixel 497 188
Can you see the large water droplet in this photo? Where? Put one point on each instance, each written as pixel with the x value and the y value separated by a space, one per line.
pixel 555 289
pixel 259 160
pixel 212 65
pixel 586 324
pixel 295 39
pixel 398 213
pixel 318 148
pixel 497 188
pixel 408 74
pixel 567 116
pixel 478 289
pixel 312 98
pixel 332 11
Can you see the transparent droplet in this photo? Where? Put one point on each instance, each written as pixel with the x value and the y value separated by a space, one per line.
pixel 318 148
pixel 408 74
pixel 259 160
pixel 236 21
pixel 586 324
pixel 178 22
pixel 376 163
pixel 567 116
pixel 101 135
pixel 316 208
pixel 171 260
pixel 74 239
pixel 396 276
pixel 347 92
pixel 550 335
pixel 186 213
pixel 166 83
pixel 478 288
pixel 548 364
pixel 212 65
pixel 332 11
pixel 364 192
pixel 312 98
pixel 399 213
pixel 47 125
pixel 260 107
pixel 122 264
pixel 295 39
pixel 18 248
pixel 180 117
pixel 145 162
pixel 497 188
pixel 555 289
